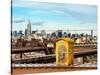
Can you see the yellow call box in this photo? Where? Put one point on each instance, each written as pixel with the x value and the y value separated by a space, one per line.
pixel 64 51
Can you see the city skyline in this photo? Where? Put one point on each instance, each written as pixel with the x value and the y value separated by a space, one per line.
pixel 53 16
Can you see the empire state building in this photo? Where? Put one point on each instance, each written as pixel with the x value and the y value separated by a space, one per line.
pixel 29 28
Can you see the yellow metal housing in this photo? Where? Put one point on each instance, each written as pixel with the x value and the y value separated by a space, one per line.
pixel 64 51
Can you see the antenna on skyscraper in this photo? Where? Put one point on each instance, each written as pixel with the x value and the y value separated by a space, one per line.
pixel 29 21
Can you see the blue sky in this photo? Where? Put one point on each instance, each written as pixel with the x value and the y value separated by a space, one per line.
pixel 53 16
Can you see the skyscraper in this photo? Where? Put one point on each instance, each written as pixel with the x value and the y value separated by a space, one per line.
pixel 14 33
pixel 29 28
pixel 59 33
pixel 91 33
pixel 20 33
pixel 25 33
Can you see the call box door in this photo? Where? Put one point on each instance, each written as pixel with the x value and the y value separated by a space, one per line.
pixel 62 53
